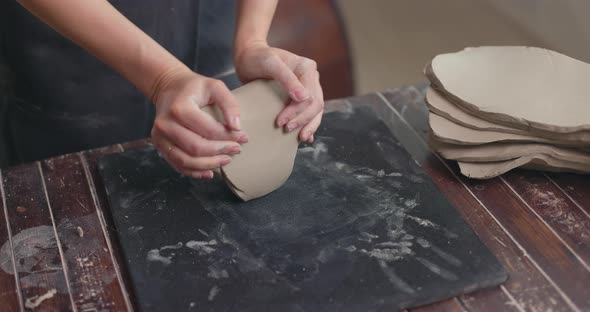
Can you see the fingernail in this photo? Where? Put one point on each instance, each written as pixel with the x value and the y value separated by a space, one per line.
pixel 236 123
pixel 230 149
pixel 292 126
pixel 282 122
pixel 312 139
pixel 307 135
pixel 299 95
pixel 233 150
pixel 200 175
pixel 243 139
pixel 224 161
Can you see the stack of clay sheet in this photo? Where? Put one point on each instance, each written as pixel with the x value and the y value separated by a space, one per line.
pixel 494 109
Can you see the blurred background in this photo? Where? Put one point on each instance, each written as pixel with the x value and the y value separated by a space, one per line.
pixel 386 43
pixel 374 45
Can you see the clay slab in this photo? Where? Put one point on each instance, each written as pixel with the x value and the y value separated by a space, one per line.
pixel 447 131
pixel 506 151
pixel 266 161
pixel 523 87
pixel 442 106
pixel 537 162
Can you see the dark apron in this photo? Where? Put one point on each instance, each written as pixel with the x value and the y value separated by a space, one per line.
pixel 64 100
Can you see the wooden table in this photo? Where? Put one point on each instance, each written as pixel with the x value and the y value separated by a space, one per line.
pixel 537 224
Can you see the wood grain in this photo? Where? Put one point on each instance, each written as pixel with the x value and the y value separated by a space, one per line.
pixel 91 272
pixel 136 144
pixel 555 208
pixel 560 264
pixel 31 223
pixel 9 293
pixel 525 274
pixel 89 160
pixel 575 186
pixel 497 299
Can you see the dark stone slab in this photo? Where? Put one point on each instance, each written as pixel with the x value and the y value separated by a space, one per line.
pixel 358 227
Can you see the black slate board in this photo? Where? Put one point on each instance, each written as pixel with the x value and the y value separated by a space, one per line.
pixel 358 227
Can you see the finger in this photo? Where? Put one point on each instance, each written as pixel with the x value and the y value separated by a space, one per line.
pixel 311 80
pixel 290 112
pixel 196 174
pixel 199 174
pixel 193 118
pixel 194 144
pixel 315 105
pixel 164 147
pixel 278 70
pixel 306 134
pixel 227 103
pixel 187 163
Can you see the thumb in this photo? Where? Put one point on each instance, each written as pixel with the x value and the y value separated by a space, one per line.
pixel 227 103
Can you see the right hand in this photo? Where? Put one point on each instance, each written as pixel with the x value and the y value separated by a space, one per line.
pixel 190 140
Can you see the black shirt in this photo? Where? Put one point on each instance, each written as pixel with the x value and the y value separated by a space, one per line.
pixel 65 100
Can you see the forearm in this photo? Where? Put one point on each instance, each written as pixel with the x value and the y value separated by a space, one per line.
pixel 253 23
pixel 99 28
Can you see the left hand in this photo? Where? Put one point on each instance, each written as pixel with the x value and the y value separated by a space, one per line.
pixel 298 76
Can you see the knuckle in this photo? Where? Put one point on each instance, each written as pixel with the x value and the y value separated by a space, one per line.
pixel 316 75
pixel 177 111
pixel 194 149
pixel 207 133
pixel 321 105
pixel 159 126
pixel 216 84
pixel 310 64
pixel 269 62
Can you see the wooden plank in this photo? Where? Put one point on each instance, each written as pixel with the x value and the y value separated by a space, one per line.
pixel 528 283
pixel 91 272
pixel 497 299
pixel 416 114
pixel 89 160
pixel 575 186
pixel 450 305
pixel 38 254
pixel 555 208
pixel 10 295
pixel 541 244
pixel 136 144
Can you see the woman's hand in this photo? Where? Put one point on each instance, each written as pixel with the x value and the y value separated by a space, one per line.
pixel 298 76
pixel 188 138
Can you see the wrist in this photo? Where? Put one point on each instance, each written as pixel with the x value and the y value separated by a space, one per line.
pixel 167 78
pixel 242 46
